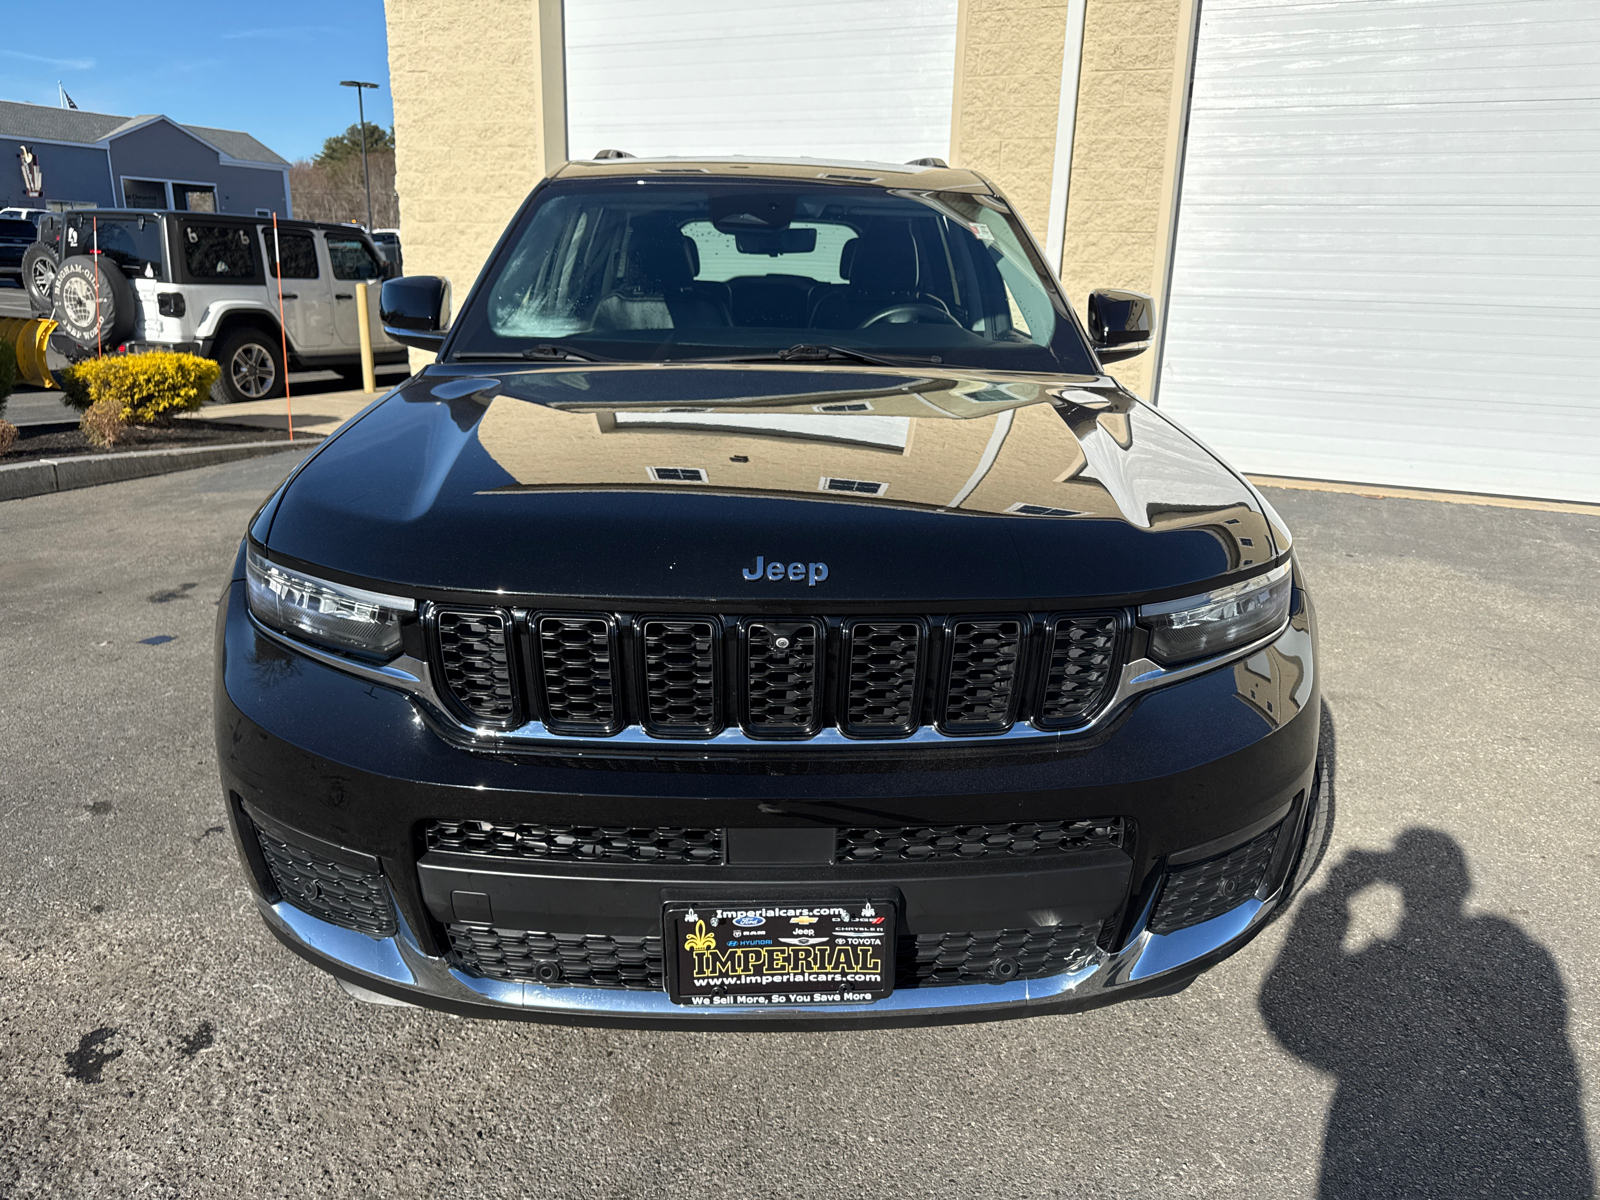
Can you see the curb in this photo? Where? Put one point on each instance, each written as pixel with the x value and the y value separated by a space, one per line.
pixel 88 470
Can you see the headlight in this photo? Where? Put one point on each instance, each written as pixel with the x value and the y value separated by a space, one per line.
pixel 1198 626
pixel 331 614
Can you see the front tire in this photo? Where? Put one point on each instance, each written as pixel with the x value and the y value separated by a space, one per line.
pixel 252 368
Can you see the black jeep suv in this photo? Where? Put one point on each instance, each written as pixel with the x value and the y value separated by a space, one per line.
pixel 766 612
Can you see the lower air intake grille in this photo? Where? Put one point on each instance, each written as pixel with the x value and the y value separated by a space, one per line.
pixel 1208 889
pixel 576 656
pixel 781 671
pixel 931 842
pixel 983 676
pixel 337 893
pixel 994 956
pixel 881 690
pixel 576 843
pixel 475 663
pixel 1078 672
pixel 680 677
pixel 558 959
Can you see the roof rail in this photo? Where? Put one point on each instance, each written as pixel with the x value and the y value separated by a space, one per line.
pixel 928 162
pixel 612 154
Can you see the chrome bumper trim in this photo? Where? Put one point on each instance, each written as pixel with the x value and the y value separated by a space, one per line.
pixel 398 961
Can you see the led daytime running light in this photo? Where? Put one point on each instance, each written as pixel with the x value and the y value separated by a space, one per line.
pixel 1216 621
pixel 335 615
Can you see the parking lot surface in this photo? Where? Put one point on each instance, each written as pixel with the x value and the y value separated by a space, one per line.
pixel 1421 1024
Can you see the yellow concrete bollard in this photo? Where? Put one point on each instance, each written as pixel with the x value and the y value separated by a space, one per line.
pixel 30 338
pixel 369 377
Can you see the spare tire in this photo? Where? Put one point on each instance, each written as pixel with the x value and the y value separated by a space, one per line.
pixel 39 274
pixel 93 301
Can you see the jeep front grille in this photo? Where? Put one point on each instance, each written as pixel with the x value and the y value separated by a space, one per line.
pixel 475 663
pixel 595 675
pixel 576 658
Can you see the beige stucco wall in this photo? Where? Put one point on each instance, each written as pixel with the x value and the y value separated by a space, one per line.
pixel 470 132
pixel 1006 95
pixel 1131 93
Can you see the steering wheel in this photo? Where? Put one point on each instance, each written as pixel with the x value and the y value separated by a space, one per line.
pixel 910 313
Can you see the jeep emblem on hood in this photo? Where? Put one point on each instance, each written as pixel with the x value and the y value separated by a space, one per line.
pixel 812 573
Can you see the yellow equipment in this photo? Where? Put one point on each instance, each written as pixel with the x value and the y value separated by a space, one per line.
pixel 30 338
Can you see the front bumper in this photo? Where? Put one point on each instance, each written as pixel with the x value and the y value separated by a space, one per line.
pixel 1198 769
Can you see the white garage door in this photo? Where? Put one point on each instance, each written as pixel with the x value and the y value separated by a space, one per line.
pixel 1388 257
pixel 843 79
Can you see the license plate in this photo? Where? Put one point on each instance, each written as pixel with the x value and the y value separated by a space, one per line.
pixel 780 955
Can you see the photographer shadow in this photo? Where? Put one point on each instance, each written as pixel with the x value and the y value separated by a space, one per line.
pixel 1448 1039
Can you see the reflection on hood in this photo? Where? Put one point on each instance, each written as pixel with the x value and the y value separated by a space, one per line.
pixel 998 446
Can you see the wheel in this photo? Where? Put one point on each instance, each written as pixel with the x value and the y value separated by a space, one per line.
pixel 93 301
pixel 911 313
pixel 39 274
pixel 252 367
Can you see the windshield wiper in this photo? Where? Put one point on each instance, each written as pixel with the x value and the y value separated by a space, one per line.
pixel 542 353
pixel 808 352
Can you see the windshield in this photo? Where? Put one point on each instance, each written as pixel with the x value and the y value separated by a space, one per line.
pixel 651 270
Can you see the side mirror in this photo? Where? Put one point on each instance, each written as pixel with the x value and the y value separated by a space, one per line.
pixel 415 310
pixel 1120 324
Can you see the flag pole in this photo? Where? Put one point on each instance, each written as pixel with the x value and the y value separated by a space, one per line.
pixel 283 330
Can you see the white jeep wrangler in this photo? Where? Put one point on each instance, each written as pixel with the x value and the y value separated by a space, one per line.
pixel 209 284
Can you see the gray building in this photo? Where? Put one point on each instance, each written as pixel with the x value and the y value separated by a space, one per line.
pixel 151 161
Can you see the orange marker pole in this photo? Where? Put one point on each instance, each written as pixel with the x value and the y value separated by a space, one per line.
pixel 94 223
pixel 283 329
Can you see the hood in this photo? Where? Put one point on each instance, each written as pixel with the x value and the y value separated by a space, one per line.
pixel 782 484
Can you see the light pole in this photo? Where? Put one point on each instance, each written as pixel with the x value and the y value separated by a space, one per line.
pixel 361 113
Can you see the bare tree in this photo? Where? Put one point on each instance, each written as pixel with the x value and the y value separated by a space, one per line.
pixel 333 191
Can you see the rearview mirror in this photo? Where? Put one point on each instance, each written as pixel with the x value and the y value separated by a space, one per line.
pixel 415 310
pixel 1120 323
pixel 776 241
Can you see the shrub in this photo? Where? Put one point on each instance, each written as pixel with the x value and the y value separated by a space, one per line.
pixel 8 372
pixel 8 436
pixel 146 388
pixel 102 423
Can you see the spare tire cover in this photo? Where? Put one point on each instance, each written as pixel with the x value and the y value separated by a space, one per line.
pixel 93 301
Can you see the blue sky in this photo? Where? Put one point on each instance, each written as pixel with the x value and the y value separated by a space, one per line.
pixel 272 70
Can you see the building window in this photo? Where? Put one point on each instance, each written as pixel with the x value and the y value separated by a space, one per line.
pixel 677 474
pixel 1042 510
pixel 862 487
pixel 144 193
pixel 194 197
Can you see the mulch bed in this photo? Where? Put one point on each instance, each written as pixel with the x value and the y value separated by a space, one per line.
pixel 144 437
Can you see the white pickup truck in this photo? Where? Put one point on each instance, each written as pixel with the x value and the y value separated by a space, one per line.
pixel 210 284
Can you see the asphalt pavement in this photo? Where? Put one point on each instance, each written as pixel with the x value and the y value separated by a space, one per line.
pixel 1389 1036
